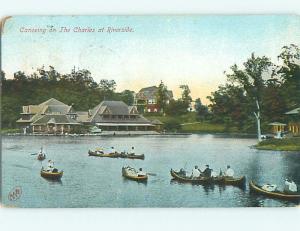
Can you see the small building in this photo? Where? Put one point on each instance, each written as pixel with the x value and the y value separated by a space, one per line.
pixel 51 116
pixel 146 99
pixel 294 121
pixel 277 127
pixel 118 116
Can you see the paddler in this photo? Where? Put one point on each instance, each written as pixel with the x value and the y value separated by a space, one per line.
pixel 50 166
pixel 195 172
pixel 290 186
pixel 229 171
pixel 141 173
pixel 131 151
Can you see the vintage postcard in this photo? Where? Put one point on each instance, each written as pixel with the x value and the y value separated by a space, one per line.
pixel 150 111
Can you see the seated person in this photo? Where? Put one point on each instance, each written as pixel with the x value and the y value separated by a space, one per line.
pixel 50 166
pixel 182 172
pixel 290 186
pixel 141 173
pixel 112 150
pixel 196 172
pixel 131 152
pixel 229 171
pixel 207 171
pixel 269 187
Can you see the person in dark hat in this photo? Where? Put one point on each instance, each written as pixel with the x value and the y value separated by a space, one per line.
pixel 141 173
pixel 112 150
pixel 207 171
pixel 131 151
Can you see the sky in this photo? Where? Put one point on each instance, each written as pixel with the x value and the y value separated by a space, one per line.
pixel 187 49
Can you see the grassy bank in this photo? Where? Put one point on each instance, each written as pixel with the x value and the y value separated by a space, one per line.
pixel 10 130
pixel 189 123
pixel 288 144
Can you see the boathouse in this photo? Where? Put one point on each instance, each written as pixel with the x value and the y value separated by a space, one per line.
pixel 118 116
pixel 294 121
pixel 51 116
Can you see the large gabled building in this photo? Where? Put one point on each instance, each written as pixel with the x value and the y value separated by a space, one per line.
pixel 146 99
pixel 118 116
pixel 51 116
pixel 55 117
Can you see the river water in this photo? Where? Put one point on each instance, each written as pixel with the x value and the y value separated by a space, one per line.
pixel 97 182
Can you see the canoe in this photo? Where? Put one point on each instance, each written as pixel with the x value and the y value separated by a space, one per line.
pixel 240 181
pixel 51 175
pixel 110 155
pixel 132 156
pixel 209 180
pixel 41 157
pixel 255 188
pixel 117 155
pixel 126 174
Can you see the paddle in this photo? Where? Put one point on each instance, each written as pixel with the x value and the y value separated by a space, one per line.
pixel 151 174
pixel 33 154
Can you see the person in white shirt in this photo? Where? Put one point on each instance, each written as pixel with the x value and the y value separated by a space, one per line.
pixel 195 172
pixel 290 186
pixel 50 166
pixel 141 173
pixel 229 171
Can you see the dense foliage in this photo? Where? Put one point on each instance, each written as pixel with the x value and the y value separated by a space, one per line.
pixel 275 87
pixel 77 88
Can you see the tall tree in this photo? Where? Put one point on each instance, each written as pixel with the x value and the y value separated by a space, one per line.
pixel 202 110
pixel 289 73
pixel 251 79
pixel 162 96
pixel 186 94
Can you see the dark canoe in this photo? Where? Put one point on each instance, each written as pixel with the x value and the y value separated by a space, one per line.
pixel 41 157
pixel 135 178
pixel 255 188
pixel 117 155
pixel 51 175
pixel 210 180
pixel 132 156
pixel 110 155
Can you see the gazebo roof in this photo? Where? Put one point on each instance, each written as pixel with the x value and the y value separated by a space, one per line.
pixel 277 124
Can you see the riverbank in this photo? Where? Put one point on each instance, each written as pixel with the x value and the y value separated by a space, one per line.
pixel 188 123
pixel 5 131
pixel 288 144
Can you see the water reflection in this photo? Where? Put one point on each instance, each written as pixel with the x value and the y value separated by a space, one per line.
pixel 54 182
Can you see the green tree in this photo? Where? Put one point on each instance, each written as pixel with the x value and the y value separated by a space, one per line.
pixel 126 96
pixel 20 76
pixel 202 110
pixel 289 74
pixel 162 96
pixel 250 78
pixel 186 94
pixel 176 107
